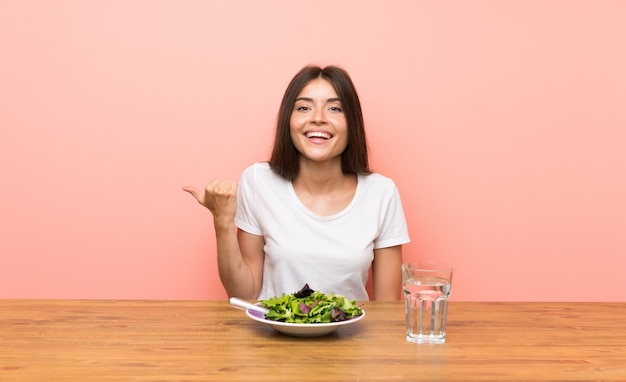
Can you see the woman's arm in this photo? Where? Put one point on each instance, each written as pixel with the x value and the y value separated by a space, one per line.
pixel 387 273
pixel 253 255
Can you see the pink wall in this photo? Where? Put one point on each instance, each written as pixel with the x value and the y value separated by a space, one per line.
pixel 503 124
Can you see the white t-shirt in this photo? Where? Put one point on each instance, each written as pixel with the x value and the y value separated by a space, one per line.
pixel 330 253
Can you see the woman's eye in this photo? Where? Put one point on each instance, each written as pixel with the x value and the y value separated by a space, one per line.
pixel 336 109
pixel 302 108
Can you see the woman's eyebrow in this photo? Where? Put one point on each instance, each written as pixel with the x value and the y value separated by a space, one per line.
pixel 307 99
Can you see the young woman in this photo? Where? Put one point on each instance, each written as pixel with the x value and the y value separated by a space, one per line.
pixel 314 213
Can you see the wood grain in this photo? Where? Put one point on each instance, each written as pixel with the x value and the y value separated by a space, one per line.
pixel 99 340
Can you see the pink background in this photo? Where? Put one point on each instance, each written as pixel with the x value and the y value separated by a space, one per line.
pixel 503 124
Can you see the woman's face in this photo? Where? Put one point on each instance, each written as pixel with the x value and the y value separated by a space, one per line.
pixel 318 125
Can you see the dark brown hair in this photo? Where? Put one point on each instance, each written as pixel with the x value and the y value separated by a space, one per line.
pixel 354 160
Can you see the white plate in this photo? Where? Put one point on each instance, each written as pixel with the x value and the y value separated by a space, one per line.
pixel 302 330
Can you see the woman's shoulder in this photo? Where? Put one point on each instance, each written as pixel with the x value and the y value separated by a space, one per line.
pixel 257 167
pixel 258 171
pixel 377 179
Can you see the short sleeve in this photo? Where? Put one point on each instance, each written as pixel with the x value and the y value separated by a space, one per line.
pixel 246 190
pixel 394 230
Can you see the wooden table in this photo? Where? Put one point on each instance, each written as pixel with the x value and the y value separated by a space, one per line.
pixel 84 340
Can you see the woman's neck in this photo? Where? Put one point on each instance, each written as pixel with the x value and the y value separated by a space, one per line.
pixel 325 190
pixel 320 178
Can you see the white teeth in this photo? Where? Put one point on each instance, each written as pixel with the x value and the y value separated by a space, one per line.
pixel 318 134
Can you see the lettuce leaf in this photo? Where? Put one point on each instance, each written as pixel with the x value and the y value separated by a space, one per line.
pixel 308 306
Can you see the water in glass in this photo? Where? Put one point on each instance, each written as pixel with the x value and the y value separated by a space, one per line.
pixel 426 308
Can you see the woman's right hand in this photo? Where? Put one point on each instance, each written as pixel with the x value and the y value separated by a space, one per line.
pixel 220 197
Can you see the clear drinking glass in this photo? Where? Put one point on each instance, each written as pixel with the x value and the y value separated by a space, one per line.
pixel 426 292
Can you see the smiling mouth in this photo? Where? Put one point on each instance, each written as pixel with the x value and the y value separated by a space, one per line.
pixel 318 134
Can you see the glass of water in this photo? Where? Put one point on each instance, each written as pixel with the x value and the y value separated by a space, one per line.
pixel 426 293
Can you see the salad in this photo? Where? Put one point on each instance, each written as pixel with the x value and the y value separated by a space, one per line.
pixel 307 306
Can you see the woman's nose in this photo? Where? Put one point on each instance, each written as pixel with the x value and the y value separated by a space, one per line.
pixel 319 116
